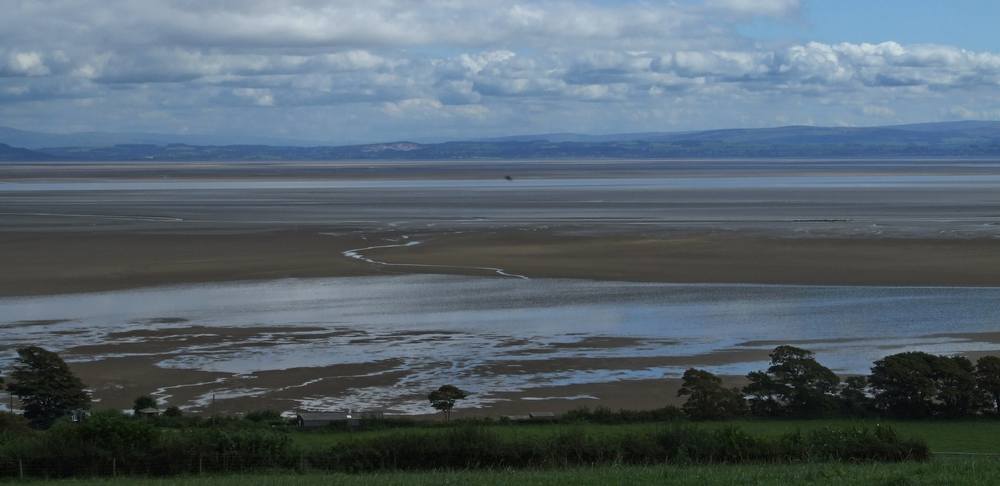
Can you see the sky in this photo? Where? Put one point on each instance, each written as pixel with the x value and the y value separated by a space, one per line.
pixel 357 71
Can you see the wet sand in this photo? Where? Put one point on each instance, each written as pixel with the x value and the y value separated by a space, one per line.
pixel 64 262
pixel 116 381
pixel 882 222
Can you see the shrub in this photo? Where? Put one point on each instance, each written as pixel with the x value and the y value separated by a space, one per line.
pixel 479 447
pixel 604 415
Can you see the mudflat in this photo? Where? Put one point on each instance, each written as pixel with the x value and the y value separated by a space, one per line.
pixel 37 263
pixel 86 228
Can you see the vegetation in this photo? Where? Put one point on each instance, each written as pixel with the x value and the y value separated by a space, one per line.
pixel 912 385
pixel 794 387
pixel 965 472
pixel 110 443
pixel 988 380
pixel 708 399
pixel 144 402
pixel 444 398
pixel 46 387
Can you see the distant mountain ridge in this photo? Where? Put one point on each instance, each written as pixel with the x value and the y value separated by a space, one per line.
pixel 39 140
pixel 794 134
pixel 971 138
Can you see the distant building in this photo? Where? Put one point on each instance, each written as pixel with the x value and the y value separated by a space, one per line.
pixel 147 412
pixel 531 416
pixel 542 416
pixel 311 419
pixel 517 418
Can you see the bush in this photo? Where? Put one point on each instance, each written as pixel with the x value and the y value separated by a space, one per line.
pixel 13 425
pixel 479 447
pixel 110 443
pixel 603 415
pixel 855 444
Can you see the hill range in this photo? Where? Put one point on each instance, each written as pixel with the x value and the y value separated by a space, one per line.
pixel 968 138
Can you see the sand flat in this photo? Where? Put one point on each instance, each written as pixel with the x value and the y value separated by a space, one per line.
pixel 50 263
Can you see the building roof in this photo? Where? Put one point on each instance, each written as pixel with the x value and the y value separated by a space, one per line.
pixel 324 416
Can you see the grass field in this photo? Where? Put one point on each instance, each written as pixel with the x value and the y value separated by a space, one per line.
pixel 974 441
pixel 965 436
pixel 971 472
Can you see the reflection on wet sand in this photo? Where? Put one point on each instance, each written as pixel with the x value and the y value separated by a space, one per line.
pixel 382 341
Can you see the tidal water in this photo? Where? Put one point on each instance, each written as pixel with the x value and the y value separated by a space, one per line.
pixel 470 322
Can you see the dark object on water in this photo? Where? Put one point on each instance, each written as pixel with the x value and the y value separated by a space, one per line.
pixel 509 178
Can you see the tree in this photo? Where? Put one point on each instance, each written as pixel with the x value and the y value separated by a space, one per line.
pixel 708 399
pixel 917 385
pixel 46 387
pixel 173 411
pixel 957 395
pixel 808 385
pixel 444 398
pixel 795 384
pixel 988 379
pixel 763 393
pixel 142 403
pixel 904 385
pixel 854 399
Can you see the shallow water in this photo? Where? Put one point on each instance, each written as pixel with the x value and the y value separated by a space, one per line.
pixel 468 323
pixel 938 198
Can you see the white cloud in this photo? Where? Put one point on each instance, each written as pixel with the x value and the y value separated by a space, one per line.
pixel 24 63
pixel 259 97
pixel 500 65
pixel 878 111
pixel 758 7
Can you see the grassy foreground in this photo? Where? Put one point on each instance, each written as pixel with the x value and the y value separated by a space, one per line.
pixel 966 436
pixel 939 472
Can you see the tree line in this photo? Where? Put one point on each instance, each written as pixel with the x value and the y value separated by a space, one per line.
pixel 48 390
pixel 912 385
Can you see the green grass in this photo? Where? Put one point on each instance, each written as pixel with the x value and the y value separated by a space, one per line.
pixel 940 472
pixel 974 436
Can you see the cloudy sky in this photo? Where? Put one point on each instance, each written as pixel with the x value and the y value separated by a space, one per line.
pixel 344 71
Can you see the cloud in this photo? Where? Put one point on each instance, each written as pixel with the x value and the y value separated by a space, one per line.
pixel 24 63
pixel 380 69
pixel 259 97
pixel 774 8
pixel 878 111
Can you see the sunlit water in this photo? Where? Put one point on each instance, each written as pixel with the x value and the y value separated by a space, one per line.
pixel 471 322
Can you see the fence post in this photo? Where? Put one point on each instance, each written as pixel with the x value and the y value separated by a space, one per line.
pixel 201 469
pixel 114 466
pixel 20 468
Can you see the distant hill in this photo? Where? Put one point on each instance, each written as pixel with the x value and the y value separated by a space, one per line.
pixel 37 140
pixel 928 139
pixel 10 154
pixel 794 135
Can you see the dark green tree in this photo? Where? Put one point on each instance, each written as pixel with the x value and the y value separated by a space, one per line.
pixel 708 399
pixel 142 403
pixel 904 384
pixel 48 390
pixel 173 411
pixel 763 395
pixel 957 394
pixel 444 398
pixel 795 384
pixel 988 379
pixel 916 385
pixel 854 399
pixel 809 386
